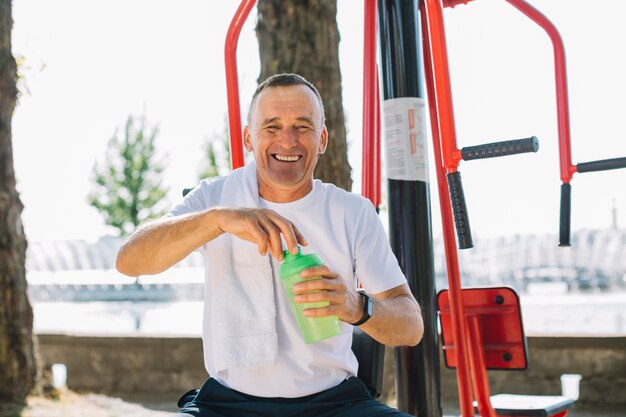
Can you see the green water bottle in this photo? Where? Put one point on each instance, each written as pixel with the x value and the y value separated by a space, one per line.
pixel 313 329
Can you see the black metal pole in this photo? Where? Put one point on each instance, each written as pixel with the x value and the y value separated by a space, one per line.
pixel 418 386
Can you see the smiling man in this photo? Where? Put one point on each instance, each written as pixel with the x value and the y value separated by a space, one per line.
pixel 258 362
pixel 287 135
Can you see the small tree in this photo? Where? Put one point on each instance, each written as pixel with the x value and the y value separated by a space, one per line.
pixel 127 186
pixel 216 154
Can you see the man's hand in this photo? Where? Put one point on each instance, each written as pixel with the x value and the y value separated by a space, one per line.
pixel 262 227
pixel 394 309
pixel 344 301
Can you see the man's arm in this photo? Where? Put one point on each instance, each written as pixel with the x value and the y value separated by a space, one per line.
pixel 397 318
pixel 155 247
pixel 158 245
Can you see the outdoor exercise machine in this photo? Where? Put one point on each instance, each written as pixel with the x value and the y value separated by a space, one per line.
pixel 481 327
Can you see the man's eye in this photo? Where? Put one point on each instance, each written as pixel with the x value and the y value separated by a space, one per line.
pixel 303 128
pixel 272 128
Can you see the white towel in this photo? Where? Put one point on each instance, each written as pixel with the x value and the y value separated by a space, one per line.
pixel 242 294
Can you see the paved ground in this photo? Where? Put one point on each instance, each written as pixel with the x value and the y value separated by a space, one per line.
pixel 452 411
pixel 71 404
pixel 88 405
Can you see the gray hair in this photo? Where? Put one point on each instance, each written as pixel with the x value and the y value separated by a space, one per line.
pixel 286 80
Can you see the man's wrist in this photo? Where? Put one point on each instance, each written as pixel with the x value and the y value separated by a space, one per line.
pixel 368 308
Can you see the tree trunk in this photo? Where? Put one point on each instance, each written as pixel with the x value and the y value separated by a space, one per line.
pixel 301 36
pixel 17 359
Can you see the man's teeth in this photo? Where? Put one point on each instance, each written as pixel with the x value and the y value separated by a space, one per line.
pixel 286 158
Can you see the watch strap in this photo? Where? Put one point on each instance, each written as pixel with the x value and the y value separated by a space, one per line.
pixel 367 308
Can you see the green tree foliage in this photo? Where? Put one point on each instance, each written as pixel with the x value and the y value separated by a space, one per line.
pixel 216 160
pixel 127 186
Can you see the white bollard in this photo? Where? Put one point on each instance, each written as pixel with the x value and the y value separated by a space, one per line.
pixel 59 375
pixel 570 384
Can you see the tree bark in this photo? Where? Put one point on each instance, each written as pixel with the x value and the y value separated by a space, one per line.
pixel 17 359
pixel 301 36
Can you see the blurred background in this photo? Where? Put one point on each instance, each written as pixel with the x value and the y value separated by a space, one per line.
pixel 95 71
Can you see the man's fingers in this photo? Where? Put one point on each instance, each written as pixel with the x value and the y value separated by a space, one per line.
pixel 318 271
pixel 263 227
pixel 317 284
pixel 272 235
pixel 332 297
pixel 289 231
pixel 259 237
pixel 299 237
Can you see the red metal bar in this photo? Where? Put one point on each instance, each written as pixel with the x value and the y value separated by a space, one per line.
pixel 479 369
pixel 377 176
pixel 369 101
pixel 232 82
pixel 452 3
pixel 452 261
pixel 443 90
pixel 565 154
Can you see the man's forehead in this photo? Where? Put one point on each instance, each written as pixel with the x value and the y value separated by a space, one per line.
pixel 281 98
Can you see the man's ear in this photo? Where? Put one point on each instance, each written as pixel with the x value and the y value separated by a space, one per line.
pixel 247 139
pixel 323 141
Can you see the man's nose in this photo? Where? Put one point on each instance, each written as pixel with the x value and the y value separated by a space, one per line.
pixel 288 137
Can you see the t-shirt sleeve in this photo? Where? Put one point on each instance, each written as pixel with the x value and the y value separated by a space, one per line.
pixel 204 195
pixel 376 267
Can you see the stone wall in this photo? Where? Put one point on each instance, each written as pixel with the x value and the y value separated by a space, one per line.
pixel 166 367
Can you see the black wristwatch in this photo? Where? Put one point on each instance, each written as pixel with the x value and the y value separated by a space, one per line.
pixel 368 307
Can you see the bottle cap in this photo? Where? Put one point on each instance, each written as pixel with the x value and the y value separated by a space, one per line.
pixel 290 257
pixel 293 264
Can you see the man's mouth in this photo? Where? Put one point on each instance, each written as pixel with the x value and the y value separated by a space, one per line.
pixel 286 158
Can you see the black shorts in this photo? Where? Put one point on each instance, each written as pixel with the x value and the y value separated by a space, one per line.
pixel 348 399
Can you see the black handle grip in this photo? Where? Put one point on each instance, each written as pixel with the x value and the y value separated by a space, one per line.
pixel 602 165
pixel 495 149
pixel 566 211
pixel 459 210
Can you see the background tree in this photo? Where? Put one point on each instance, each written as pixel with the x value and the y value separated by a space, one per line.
pixel 216 160
pixel 303 37
pixel 17 358
pixel 127 187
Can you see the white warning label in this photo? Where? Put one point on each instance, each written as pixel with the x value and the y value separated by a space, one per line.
pixel 406 154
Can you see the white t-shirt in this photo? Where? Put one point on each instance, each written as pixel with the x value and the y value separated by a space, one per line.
pixel 344 231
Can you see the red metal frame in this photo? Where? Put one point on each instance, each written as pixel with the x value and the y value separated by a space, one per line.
pixel 452 261
pixel 377 174
pixel 232 82
pixel 471 362
pixel 560 72
pixel 469 355
pixel 442 87
pixel 370 153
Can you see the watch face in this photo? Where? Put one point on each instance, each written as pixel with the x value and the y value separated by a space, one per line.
pixel 369 306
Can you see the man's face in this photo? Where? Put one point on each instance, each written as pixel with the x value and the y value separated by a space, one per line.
pixel 287 136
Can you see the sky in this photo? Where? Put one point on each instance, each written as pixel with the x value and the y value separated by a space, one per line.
pixel 88 65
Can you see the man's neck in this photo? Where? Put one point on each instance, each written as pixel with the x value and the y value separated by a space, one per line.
pixel 277 195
